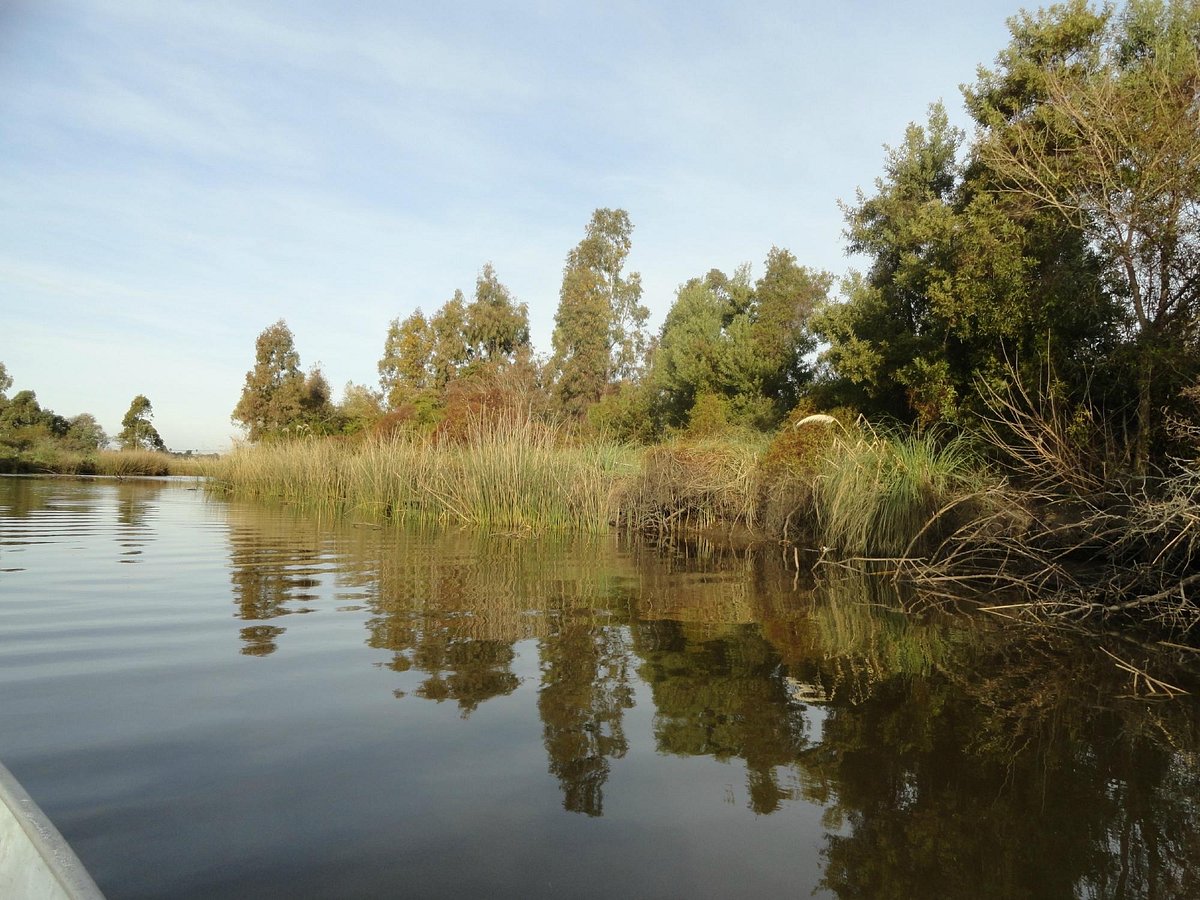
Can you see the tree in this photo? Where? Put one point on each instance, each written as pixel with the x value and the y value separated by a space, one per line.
pixel 1092 116
pixel 582 358
pixel 738 343
pixel 360 408
pixel 687 361
pixel 24 423
pixel 319 415
pixel 960 282
pixel 85 434
pixel 784 301
pixel 450 351
pixel 273 397
pixel 5 382
pixel 599 328
pixel 497 327
pixel 137 432
pixel 406 366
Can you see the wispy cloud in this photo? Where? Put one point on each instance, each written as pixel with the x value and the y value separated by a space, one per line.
pixel 176 176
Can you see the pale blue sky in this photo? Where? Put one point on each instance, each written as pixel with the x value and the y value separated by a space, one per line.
pixel 175 176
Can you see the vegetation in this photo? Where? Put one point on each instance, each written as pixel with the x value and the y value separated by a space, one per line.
pixel 599 329
pixel 511 473
pixel 739 347
pixel 1007 396
pixel 1091 117
pixel 38 440
pixel 137 433
pixel 278 400
pixel 880 496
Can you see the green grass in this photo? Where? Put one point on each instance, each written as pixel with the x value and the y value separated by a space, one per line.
pixel 866 493
pixel 875 494
pixel 520 475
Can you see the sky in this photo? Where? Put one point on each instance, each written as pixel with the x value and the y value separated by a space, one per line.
pixel 177 176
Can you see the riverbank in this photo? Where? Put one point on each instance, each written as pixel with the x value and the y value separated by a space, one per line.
pixel 102 462
pixel 942 512
pixel 819 480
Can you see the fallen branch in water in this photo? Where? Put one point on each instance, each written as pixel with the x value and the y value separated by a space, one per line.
pixel 1155 686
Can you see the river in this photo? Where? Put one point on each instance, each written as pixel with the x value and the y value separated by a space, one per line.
pixel 218 699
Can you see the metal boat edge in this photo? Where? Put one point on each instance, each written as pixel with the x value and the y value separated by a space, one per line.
pixel 36 862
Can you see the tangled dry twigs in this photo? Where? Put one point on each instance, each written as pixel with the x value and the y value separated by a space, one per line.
pixel 1080 541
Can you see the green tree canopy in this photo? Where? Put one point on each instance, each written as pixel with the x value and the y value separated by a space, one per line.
pixel 360 407
pixel 406 366
pixel 24 423
pixel 137 431
pixel 687 362
pixel 1092 116
pixel 450 351
pixel 277 399
pixel 599 328
pixel 961 281
pixel 85 434
pixel 741 341
pixel 497 326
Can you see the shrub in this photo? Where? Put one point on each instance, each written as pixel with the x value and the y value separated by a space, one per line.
pixel 695 485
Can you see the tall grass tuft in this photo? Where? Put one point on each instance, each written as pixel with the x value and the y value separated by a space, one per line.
pixel 879 495
pixel 514 473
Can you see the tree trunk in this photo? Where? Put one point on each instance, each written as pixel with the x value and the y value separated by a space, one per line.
pixel 1145 407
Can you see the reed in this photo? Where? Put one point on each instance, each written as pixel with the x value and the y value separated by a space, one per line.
pixel 144 462
pixel 516 474
pixel 879 495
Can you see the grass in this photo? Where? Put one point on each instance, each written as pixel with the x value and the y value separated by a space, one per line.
pixel 865 493
pixel 877 494
pixel 120 463
pixel 696 485
pixel 518 475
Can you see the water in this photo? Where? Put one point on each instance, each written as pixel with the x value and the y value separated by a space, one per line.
pixel 220 699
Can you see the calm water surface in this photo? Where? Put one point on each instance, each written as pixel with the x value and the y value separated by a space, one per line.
pixel 218 699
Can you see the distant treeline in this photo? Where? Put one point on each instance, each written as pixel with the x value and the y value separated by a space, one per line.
pixel 33 438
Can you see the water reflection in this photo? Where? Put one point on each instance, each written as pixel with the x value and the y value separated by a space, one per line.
pixel 726 697
pixel 418 616
pixel 584 693
pixel 271 569
pixel 941 749
pixel 134 510
pixel 950 755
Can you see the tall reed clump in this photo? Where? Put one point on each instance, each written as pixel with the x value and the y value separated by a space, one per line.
pixel 145 462
pixel 891 495
pixel 512 473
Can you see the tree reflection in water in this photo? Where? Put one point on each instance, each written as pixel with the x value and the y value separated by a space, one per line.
pixel 724 697
pixel 584 693
pixel 273 564
pixel 950 755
